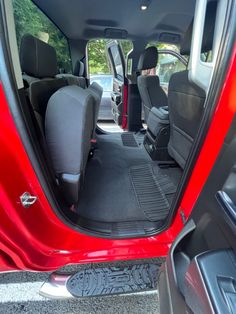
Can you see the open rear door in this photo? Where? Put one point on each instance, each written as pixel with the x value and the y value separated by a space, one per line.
pixel 199 275
pixel 119 95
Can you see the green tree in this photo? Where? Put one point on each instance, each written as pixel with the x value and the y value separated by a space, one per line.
pixel 30 20
pixel 97 54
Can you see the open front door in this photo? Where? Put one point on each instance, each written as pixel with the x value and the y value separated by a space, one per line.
pixel 119 95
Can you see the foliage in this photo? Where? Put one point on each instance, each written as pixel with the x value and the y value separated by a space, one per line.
pixel 97 53
pixel 30 20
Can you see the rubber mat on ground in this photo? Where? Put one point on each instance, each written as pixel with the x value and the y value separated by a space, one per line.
pixel 151 191
pixel 113 280
pixel 129 140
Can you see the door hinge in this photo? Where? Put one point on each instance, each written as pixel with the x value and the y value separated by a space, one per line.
pixel 183 217
pixel 27 200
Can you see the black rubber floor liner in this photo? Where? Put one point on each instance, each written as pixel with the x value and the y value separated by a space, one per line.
pixel 113 280
pixel 128 139
pixel 151 191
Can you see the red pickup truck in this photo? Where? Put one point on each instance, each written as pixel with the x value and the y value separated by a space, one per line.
pixel 164 186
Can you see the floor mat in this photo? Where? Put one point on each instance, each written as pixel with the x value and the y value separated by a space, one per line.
pixel 151 191
pixel 129 140
pixel 123 185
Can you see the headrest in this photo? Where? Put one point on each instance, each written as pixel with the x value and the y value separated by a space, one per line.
pixel 37 58
pixel 79 68
pixel 208 34
pixel 148 59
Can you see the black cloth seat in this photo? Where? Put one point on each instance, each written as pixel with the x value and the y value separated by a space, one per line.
pixel 69 129
pixel 151 93
pixel 77 78
pixel 94 89
pixel 64 114
pixel 39 67
pixel 186 99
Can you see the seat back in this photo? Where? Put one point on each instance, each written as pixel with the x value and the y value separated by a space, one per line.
pixel 151 93
pixel 77 78
pixel 96 91
pixel 186 103
pixel 186 99
pixel 39 67
pixel 68 130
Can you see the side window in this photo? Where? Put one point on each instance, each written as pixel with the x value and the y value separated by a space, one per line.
pixel 98 63
pixel 168 65
pixel 30 20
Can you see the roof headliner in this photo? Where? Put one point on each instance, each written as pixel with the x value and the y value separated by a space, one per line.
pixel 80 19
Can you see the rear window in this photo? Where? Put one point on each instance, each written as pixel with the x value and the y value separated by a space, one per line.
pixel 30 20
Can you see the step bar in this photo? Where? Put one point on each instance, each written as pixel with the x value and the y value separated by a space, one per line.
pixel 101 281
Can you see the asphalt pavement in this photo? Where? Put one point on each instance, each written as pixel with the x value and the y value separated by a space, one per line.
pixel 19 294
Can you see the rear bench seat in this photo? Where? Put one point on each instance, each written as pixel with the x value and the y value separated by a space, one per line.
pixel 68 130
pixel 39 67
pixel 95 89
pixel 67 112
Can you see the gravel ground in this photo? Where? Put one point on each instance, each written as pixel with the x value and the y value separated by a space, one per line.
pixel 19 294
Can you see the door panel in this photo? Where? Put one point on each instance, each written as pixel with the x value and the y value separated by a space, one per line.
pixel 119 95
pixel 106 81
pixel 117 101
pixel 201 266
pixel 199 274
pixel 105 110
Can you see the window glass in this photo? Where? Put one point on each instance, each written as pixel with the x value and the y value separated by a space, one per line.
pixel 106 81
pixel 98 62
pixel 211 10
pixel 167 65
pixel 30 20
pixel 206 56
pixel 117 61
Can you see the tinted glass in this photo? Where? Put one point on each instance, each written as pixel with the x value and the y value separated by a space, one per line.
pixel 117 61
pixel 30 20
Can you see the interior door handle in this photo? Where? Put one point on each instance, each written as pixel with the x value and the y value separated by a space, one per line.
pixel 116 98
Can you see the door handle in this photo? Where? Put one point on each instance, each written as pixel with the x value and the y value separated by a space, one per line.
pixel 116 98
